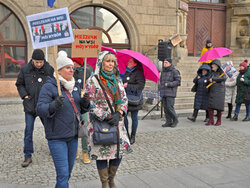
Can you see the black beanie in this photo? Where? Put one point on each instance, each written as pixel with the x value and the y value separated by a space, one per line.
pixel 38 54
pixel 168 59
pixel 209 41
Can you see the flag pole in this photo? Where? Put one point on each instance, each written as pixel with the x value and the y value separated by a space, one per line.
pixel 46 49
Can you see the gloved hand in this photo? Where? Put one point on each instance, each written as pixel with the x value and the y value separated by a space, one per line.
pixel 114 118
pixel 56 104
pixel 84 104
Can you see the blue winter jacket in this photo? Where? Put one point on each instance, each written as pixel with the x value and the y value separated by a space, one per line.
pixel 63 123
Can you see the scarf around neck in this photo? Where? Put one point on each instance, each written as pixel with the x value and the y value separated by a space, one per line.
pixel 130 70
pixel 111 81
pixel 68 85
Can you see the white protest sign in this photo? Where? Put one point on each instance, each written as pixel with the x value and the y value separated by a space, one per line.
pixel 50 28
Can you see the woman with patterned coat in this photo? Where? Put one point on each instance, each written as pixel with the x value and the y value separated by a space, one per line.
pixel 107 73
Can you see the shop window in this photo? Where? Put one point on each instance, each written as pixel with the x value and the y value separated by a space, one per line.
pixel 13 43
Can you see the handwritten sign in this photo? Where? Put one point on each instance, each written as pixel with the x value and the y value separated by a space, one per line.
pixel 87 43
pixel 50 28
pixel 176 39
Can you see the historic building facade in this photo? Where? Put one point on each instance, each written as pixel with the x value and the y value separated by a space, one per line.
pixel 126 24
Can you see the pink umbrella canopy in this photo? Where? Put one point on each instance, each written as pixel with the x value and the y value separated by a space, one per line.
pixel 149 69
pixel 215 53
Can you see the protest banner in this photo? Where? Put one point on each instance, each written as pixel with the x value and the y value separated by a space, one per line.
pixel 229 69
pixel 87 44
pixel 50 28
pixel 175 39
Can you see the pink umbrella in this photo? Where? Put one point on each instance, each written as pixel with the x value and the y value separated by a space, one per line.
pixel 150 70
pixel 214 54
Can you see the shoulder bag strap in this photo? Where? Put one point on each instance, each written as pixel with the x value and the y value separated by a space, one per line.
pixel 105 94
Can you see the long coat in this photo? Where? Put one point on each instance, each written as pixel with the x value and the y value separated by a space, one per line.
pixel 216 94
pixel 201 95
pixel 29 83
pixel 241 86
pixel 136 83
pixel 99 108
pixel 230 89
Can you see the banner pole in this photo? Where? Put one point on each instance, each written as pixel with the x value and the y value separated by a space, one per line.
pixel 56 71
pixel 84 76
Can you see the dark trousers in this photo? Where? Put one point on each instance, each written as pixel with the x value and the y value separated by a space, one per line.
pixel 170 115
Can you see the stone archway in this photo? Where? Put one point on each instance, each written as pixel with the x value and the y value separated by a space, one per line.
pixel 125 17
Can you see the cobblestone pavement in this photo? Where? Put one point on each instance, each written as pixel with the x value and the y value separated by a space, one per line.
pixel 157 148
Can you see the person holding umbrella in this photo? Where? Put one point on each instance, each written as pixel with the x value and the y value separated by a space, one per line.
pixel 216 94
pixel 61 115
pixel 206 48
pixel 134 83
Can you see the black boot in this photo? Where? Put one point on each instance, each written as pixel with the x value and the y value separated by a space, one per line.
pixel 132 139
pixel 235 118
pixel 194 116
pixel 207 116
pixel 230 108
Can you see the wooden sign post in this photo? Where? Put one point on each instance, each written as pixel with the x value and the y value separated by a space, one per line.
pixel 87 44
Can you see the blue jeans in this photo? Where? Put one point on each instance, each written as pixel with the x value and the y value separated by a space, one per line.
pixel 237 109
pixel 28 135
pixel 101 164
pixel 134 117
pixel 63 153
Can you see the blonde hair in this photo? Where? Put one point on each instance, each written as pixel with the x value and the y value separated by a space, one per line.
pixel 109 56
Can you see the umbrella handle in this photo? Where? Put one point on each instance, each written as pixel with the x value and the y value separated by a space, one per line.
pixel 212 82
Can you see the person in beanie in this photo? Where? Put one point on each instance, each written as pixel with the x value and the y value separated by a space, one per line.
pixel 201 95
pixel 216 94
pixel 243 84
pixel 61 116
pixel 79 77
pixel 207 47
pixel 29 82
pixel 134 83
pixel 170 80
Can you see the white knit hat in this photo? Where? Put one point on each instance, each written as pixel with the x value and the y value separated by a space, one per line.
pixel 63 60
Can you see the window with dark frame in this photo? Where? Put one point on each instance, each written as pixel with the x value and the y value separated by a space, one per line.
pixel 209 1
pixel 13 43
pixel 98 18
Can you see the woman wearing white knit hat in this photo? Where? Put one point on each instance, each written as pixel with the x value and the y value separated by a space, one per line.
pixel 61 116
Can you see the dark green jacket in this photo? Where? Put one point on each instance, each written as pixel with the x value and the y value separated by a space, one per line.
pixel 241 86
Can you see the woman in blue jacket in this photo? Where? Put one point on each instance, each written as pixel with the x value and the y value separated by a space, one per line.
pixel 61 115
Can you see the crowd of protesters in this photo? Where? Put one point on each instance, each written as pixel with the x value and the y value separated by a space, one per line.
pixel 109 97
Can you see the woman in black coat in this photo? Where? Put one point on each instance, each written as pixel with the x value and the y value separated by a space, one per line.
pixel 216 94
pixel 134 82
pixel 201 96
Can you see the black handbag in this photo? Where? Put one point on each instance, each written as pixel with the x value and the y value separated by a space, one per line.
pixel 135 97
pixel 194 88
pixel 104 133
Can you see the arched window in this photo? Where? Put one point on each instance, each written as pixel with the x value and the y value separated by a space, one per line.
pixel 13 45
pixel 98 18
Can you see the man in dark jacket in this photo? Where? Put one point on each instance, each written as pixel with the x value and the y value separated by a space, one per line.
pixel 30 80
pixel 170 80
